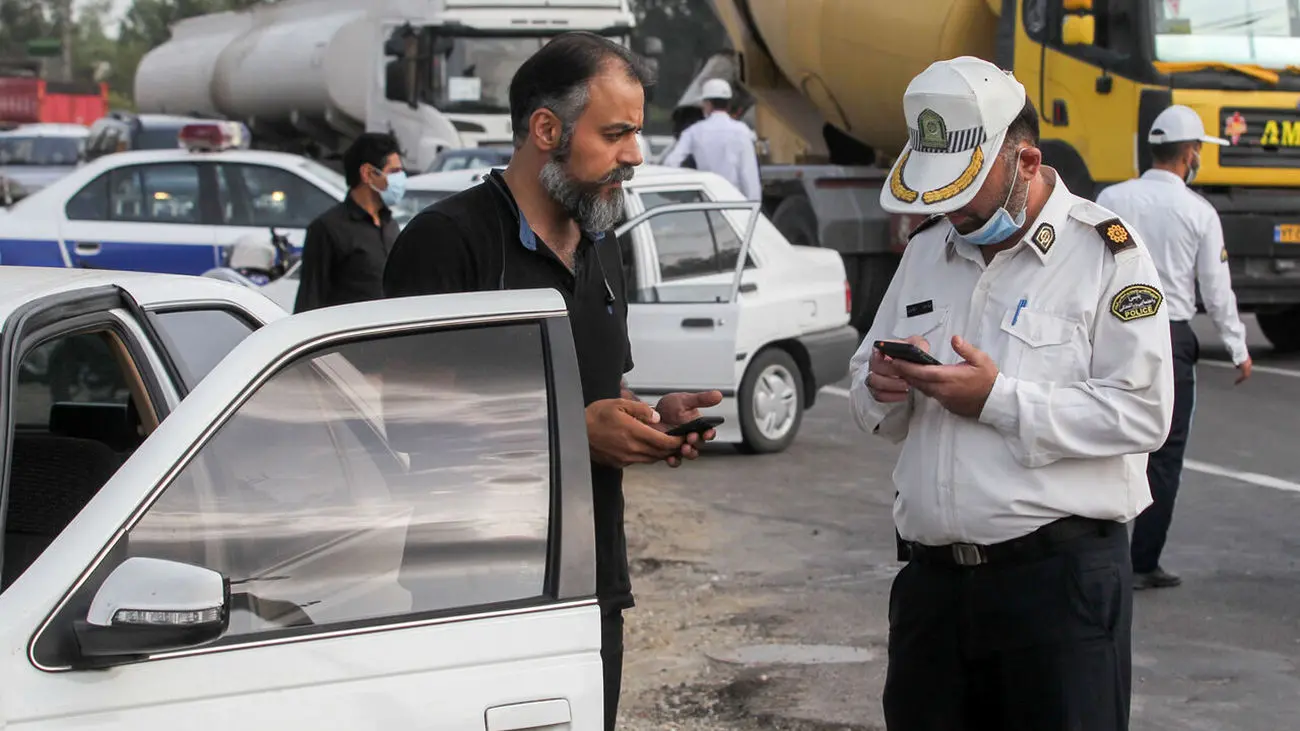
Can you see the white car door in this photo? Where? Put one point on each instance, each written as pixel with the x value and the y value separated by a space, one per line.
pixel 144 218
pixel 683 333
pixel 257 198
pixel 373 517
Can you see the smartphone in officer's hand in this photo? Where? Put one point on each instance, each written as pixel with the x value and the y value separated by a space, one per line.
pixel 698 426
pixel 906 351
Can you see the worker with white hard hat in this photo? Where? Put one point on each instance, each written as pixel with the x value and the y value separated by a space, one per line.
pixel 1185 237
pixel 720 143
pixel 1036 383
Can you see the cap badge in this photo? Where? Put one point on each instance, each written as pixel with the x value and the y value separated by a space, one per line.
pixel 934 132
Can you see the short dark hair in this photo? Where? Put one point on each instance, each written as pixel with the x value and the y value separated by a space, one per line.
pixel 1169 151
pixel 370 148
pixel 720 104
pixel 556 78
pixel 1024 128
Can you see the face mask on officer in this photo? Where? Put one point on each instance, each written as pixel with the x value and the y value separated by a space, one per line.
pixel 1002 225
pixel 396 190
pixel 1193 167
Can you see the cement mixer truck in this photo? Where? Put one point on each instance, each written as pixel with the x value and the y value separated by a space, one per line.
pixel 308 76
pixel 829 76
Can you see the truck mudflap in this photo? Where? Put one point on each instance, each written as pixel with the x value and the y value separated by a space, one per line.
pixel 829 352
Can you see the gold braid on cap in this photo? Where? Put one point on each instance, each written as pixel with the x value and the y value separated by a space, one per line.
pixel 903 193
pixel 896 184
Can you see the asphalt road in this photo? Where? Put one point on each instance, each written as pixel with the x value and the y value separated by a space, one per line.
pixel 806 539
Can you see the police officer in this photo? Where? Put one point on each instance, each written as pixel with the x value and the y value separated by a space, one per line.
pixel 1024 449
pixel 720 143
pixel 1183 233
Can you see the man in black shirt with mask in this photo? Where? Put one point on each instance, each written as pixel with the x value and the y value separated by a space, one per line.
pixel 576 107
pixel 345 249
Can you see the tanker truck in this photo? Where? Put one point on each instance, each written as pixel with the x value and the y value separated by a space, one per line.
pixel 308 76
pixel 829 77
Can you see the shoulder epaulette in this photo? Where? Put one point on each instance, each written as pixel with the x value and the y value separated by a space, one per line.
pixel 1112 230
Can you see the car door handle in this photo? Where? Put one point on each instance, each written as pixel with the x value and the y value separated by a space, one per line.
pixel 87 248
pixel 698 322
pixel 748 287
pixel 525 716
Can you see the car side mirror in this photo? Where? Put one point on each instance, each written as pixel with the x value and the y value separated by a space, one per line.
pixel 149 605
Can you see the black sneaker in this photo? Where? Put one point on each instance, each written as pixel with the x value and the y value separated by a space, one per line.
pixel 1158 579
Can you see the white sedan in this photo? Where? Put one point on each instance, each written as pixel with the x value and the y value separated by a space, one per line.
pixel 224 516
pixel 769 335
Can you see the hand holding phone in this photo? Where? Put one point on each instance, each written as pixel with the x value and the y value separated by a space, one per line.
pixel 906 351
pixel 697 426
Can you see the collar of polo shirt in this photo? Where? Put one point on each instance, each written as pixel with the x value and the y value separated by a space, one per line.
pixel 957 115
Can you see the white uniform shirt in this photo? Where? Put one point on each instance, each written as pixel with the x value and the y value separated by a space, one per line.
pixel 1185 237
pixel 724 146
pixel 1085 389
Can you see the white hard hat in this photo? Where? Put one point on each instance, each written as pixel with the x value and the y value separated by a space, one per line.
pixel 1180 124
pixel 253 251
pixel 957 115
pixel 716 89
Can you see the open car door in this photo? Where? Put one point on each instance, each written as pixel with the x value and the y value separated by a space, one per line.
pixel 376 515
pixel 683 334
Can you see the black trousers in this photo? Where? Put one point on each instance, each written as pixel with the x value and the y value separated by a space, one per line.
pixel 1165 465
pixel 1039 645
pixel 611 657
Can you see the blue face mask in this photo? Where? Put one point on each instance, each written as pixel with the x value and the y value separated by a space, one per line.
pixel 1001 225
pixel 396 190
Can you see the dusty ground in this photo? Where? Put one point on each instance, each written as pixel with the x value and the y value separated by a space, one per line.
pixel 687 613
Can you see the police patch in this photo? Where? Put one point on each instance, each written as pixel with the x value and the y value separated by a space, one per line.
pixel 1044 236
pixel 1116 235
pixel 934 132
pixel 1135 302
pixel 1223 254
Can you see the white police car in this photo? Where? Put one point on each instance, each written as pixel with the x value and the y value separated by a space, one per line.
pixel 223 522
pixel 769 335
pixel 174 211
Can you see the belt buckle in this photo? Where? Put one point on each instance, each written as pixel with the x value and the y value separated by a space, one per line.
pixel 968 554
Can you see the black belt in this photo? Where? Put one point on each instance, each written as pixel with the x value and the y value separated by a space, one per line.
pixel 1037 545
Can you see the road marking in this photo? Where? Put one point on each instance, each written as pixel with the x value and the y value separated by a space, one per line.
pixel 1257 369
pixel 1250 478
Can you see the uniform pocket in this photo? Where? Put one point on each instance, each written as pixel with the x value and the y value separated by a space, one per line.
pixel 1043 346
pixel 923 325
pixel 1097 596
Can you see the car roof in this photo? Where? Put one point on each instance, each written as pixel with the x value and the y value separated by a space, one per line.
pixel 20 285
pixel 47 129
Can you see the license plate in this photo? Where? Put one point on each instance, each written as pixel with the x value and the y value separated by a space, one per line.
pixel 1287 233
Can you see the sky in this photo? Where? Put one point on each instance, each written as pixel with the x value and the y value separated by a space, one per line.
pixel 119 9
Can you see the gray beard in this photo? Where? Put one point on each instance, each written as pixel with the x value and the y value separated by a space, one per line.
pixel 583 201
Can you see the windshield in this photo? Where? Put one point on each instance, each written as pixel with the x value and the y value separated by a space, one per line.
pixel 1259 32
pixel 473 77
pixel 17 150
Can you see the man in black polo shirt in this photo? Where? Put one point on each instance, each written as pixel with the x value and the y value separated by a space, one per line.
pixel 344 253
pixel 576 107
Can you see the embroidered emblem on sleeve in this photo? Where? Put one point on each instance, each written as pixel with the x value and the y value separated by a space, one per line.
pixel 1223 254
pixel 1135 302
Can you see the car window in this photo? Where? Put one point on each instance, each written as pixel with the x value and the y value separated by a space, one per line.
pixel 260 195
pixel 163 193
pixel 198 339
pixel 74 426
pixel 157 138
pixel 418 483
pixel 91 202
pixel 691 243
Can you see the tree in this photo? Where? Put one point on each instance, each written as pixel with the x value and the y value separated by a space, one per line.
pixel 20 22
pixel 691 33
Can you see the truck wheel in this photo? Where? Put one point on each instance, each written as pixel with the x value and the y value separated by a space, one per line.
pixel 869 278
pixel 796 221
pixel 771 403
pixel 1281 328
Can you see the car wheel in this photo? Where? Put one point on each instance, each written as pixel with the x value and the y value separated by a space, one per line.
pixel 1281 328
pixel 771 403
